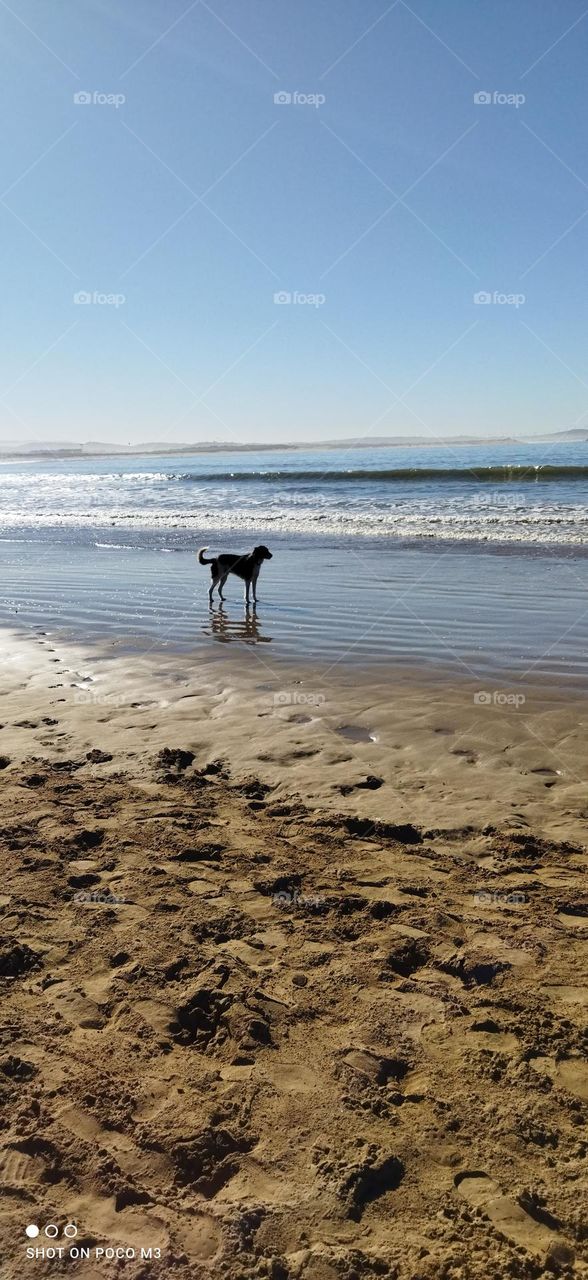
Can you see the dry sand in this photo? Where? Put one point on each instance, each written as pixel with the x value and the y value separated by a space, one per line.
pixel 293 976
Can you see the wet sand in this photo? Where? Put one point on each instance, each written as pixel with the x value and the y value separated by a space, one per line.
pixel 516 613
pixel 293 968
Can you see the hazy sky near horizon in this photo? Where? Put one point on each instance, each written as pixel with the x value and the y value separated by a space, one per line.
pixel 148 168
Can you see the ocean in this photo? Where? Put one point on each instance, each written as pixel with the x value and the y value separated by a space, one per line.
pixel 463 559
pixel 522 493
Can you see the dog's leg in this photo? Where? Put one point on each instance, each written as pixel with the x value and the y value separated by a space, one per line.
pixel 222 583
pixel 213 580
pixel 254 585
pixel 247 586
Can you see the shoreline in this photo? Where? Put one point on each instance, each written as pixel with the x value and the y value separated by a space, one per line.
pixel 440 746
pixel 327 539
pixel 514 618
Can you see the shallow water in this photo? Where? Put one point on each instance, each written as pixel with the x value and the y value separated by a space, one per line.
pixel 472 612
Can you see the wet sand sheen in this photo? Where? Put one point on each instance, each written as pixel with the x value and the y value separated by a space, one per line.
pixel 385 742
pixel 470 613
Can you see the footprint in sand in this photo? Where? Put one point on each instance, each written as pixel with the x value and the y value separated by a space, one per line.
pixel 74 1007
pixel 147 1166
pixel 19 1171
pixel 488 1034
pixel 570 1074
pixel 572 912
pixel 506 1215
pixel 125 1227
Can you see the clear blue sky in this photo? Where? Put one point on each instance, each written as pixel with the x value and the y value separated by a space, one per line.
pixel 198 198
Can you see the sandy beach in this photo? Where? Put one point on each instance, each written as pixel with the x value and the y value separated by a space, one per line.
pixel 294 641
pixel 293 969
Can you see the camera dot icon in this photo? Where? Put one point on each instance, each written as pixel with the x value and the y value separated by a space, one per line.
pixel 32 1230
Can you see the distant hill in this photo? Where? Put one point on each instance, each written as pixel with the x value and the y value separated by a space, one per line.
pixel 396 442
pixel 103 449
pixel 574 433
pixel 98 448
pixel 383 442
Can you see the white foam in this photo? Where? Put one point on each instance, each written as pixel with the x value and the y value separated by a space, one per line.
pixel 541 526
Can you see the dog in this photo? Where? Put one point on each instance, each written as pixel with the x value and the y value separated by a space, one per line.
pixel 246 567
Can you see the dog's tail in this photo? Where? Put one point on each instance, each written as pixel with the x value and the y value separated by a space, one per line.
pixel 201 556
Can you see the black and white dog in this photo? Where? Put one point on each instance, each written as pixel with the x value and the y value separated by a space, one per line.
pixel 246 567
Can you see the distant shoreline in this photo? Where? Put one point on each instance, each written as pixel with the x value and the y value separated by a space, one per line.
pixel 137 451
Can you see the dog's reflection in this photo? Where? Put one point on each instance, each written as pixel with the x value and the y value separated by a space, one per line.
pixel 246 628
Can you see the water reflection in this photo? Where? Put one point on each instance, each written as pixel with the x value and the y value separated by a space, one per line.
pixel 246 628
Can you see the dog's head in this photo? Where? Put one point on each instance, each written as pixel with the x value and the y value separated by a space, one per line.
pixel 262 553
